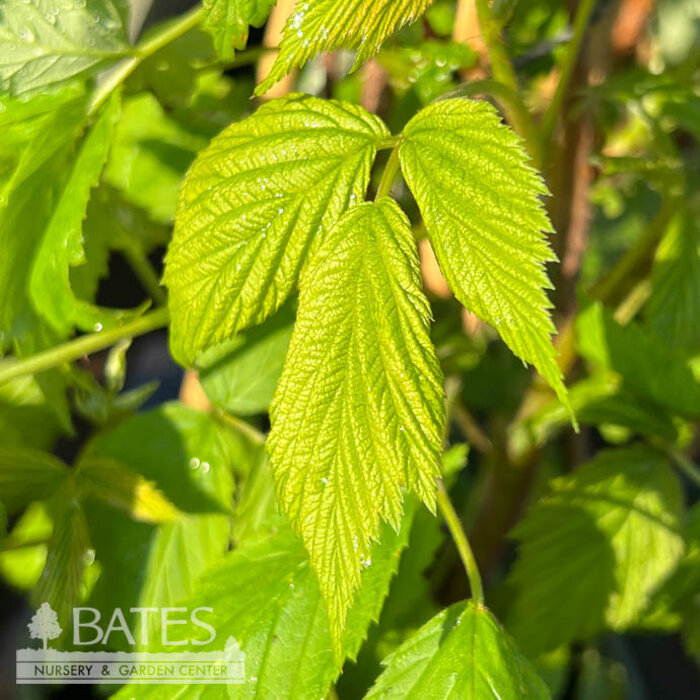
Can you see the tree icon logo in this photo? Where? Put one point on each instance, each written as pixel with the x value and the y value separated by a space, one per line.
pixel 44 625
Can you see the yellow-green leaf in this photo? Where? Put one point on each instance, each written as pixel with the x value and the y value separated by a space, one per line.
pixel 481 204
pixel 253 206
pixel 325 25
pixel 358 413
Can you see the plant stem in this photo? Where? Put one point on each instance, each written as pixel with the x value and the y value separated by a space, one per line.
pixel 686 465
pixel 389 174
pixel 549 121
pixel 241 426
pixel 144 271
pixel 461 542
pixel 75 349
pixel 503 72
pixel 115 77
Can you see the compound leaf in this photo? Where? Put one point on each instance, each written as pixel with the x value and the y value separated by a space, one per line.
pixel 358 411
pixel 325 25
pixel 44 42
pixel 463 653
pixel 603 540
pixel 228 22
pixel 252 205
pixel 480 202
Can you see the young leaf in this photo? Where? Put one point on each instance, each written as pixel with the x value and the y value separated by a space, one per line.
pixel 603 540
pixel 28 475
pixel 358 411
pixel 480 202
pixel 252 205
pixel 44 42
pixel 265 595
pixel 463 653
pixel 62 244
pixel 115 484
pixel 228 22
pixel 325 25
pixel 674 306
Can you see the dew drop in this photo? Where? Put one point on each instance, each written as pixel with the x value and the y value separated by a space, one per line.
pixel 205 467
pixel 97 327
pixel 194 463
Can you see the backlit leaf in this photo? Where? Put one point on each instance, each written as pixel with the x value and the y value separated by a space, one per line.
pixel 480 202
pixel 325 25
pixel 463 652
pixel 228 22
pixel 254 203
pixel 358 412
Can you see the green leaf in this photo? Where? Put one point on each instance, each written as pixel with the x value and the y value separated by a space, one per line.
pixel 44 42
pixel 241 375
pixel 27 200
pixel 151 153
pixel 266 596
pixel 325 25
pixel 23 555
pixel 188 456
pixel 603 540
pixel 358 412
pixel 116 484
pixel 253 205
pixel 480 202
pixel 61 580
pixel 464 653
pixel 674 306
pixel 62 244
pixel 28 475
pixel 228 22
pixel 26 418
pixel 645 363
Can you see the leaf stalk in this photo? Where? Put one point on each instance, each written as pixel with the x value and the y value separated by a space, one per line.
pixel 461 542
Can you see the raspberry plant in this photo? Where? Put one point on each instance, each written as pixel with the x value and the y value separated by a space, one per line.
pixel 340 278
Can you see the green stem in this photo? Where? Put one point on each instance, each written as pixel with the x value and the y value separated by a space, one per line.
pixel 686 465
pixel 503 72
pixel 144 271
pixel 389 174
pixel 549 121
pixel 115 77
pixel 461 542
pixel 75 349
pixel 241 426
